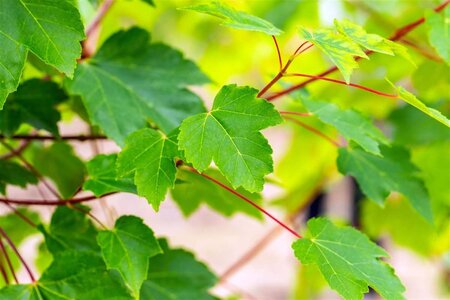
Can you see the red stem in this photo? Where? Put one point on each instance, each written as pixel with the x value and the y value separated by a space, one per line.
pixel 53 202
pixel 344 83
pixel 248 201
pixel 313 130
pixel 4 274
pixel 106 5
pixel 396 36
pixel 298 114
pixel 8 261
pixel 280 60
pixel 11 244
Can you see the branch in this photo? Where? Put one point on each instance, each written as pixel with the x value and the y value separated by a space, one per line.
pixel 106 5
pixel 21 215
pixel 280 60
pixel 400 33
pixel 54 202
pixel 246 200
pixel 80 138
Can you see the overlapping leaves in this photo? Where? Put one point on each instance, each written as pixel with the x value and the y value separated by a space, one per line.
pixel 379 176
pixel 130 82
pixel 348 41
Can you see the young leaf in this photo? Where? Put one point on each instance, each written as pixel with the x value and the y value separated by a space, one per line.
pixel 411 99
pixel 177 275
pixel 229 135
pixel 33 103
pixel 348 260
pixel 339 49
pixel 438 32
pixel 193 190
pixel 150 78
pixel 52 31
pixel 370 41
pixel 102 177
pixel 15 174
pixel 70 230
pixel 59 163
pixel 150 155
pixel 379 176
pixel 127 249
pixel 235 19
pixel 351 124
pixel 72 275
pixel 358 35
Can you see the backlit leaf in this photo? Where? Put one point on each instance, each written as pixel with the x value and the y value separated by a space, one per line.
pixel 411 99
pixel 438 32
pixel 351 124
pixel 338 48
pixel 234 18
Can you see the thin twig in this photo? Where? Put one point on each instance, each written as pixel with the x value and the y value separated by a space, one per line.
pixel 280 60
pixel 246 200
pixel 358 86
pixel 3 271
pixel 400 33
pixel 14 248
pixel 19 150
pixel 298 114
pixel 20 215
pixel 8 261
pixel 106 5
pixel 31 168
pixel 313 130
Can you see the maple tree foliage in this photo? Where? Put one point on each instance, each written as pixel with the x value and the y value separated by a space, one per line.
pixel 65 60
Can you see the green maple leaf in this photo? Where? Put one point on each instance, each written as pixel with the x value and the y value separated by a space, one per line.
pixel 229 135
pixel 102 177
pixel 235 19
pixel 52 30
pixel 177 275
pixel 379 176
pixel 72 275
pixel 348 260
pixel 33 103
pixel 412 100
pixel 62 166
pixel 370 41
pixel 338 48
pixel 193 190
pixel 127 249
pixel 70 230
pixel 351 124
pixel 150 78
pixel 150 155
pixel 15 174
pixel 438 32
